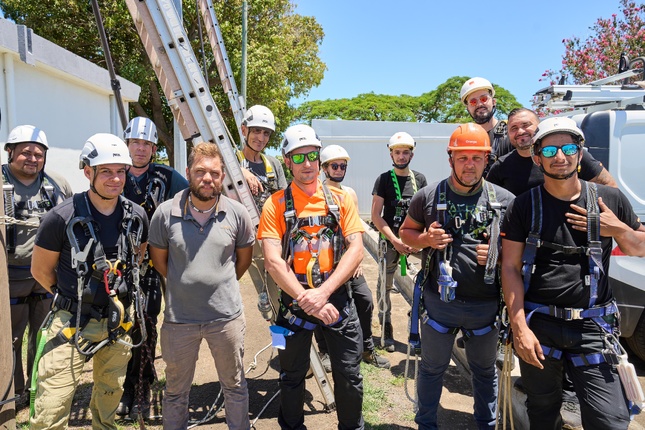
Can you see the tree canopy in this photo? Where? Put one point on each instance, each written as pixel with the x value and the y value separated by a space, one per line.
pixel 598 56
pixel 282 51
pixel 439 105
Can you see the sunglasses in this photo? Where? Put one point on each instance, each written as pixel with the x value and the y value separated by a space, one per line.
pixel 482 99
pixel 336 166
pixel 568 149
pixel 300 158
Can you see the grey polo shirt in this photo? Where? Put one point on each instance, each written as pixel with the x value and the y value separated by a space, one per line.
pixel 201 283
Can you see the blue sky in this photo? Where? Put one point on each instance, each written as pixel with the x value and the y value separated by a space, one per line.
pixel 412 46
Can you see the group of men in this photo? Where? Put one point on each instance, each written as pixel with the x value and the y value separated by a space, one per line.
pixel 99 252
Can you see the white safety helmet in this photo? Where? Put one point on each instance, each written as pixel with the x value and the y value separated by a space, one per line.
pixel 141 128
pixel 474 84
pixel 333 152
pixel 401 139
pixel 298 136
pixel 558 124
pixel 104 148
pixel 26 134
pixel 259 116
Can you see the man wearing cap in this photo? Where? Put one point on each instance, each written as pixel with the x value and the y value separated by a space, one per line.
pixel 557 240
pixel 30 192
pixel 312 240
pixel 390 199
pixel 88 249
pixel 478 94
pixel 456 223
pixel 148 184
pixel 266 173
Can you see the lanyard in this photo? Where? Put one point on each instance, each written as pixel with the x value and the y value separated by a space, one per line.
pixel 396 184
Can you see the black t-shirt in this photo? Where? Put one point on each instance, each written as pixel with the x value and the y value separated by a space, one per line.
pixel 52 235
pixel 519 174
pixel 384 188
pixel 558 279
pixel 473 215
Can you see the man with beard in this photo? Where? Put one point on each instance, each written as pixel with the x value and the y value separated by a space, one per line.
pixel 30 191
pixel 516 171
pixel 202 242
pixel 313 244
pixel 453 221
pixel 390 200
pixel 148 184
pixel 478 95
pixel 557 240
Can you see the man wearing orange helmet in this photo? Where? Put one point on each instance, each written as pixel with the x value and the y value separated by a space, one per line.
pixel 456 223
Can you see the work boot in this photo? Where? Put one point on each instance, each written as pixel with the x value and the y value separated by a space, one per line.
pixel 388 337
pixel 570 412
pixel 326 362
pixel 125 405
pixel 372 357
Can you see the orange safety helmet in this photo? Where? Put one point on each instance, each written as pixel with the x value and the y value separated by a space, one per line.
pixel 469 137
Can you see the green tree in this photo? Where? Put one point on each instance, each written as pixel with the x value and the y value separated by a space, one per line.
pixel 439 105
pixel 283 60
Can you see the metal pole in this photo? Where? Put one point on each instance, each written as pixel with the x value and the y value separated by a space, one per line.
pixel 245 17
pixel 116 85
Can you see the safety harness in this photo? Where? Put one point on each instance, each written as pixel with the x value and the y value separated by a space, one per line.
pixel 613 353
pixel 447 285
pixel 271 183
pixel 158 185
pixel 594 252
pixel 295 236
pixel 50 195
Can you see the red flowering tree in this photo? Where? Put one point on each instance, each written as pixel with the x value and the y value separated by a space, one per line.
pixel 598 56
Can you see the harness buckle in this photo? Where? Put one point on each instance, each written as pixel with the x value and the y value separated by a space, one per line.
pixel 570 314
pixel 292 319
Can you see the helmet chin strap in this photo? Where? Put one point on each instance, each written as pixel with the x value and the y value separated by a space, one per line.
pixel 560 178
pixel 337 180
pixel 93 188
pixel 472 187
pixel 488 117
pixel 401 166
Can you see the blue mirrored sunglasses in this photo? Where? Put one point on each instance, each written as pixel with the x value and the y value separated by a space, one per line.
pixel 568 149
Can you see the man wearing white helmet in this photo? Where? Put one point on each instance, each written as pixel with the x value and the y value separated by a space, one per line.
pixel 390 200
pixel 30 192
pixel 517 172
pixel 88 251
pixel 148 184
pixel 263 172
pixel 556 243
pixel 334 161
pixel 478 94
pixel 312 240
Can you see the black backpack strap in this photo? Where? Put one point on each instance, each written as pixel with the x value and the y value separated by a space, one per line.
pixel 493 251
pixel 533 240
pixel 290 219
pixel 593 240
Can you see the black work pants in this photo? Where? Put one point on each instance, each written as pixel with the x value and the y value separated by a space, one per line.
pixel 603 404
pixel 344 343
pixel 364 303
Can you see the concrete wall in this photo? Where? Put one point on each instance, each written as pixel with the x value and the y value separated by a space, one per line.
pixel 366 143
pixel 65 95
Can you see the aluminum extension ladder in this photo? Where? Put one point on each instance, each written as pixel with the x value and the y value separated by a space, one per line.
pixel 177 69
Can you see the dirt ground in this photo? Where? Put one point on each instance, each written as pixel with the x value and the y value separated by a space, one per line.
pixel 389 409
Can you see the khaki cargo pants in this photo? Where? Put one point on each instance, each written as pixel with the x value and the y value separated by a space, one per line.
pixel 60 370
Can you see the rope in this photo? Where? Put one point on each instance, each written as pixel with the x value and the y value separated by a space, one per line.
pixel 213 411
pixel 382 250
pixel 8 220
pixel 505 399
pixel 415 399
